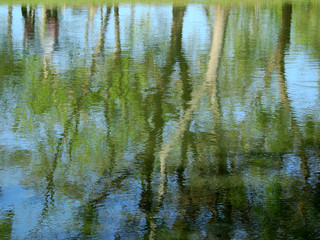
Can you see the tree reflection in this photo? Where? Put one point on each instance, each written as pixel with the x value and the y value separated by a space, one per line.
pixel 10 30
pixel 186 141
pixel 28 14
pixel 149 204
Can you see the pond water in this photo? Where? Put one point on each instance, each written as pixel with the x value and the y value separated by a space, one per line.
pixel 152 121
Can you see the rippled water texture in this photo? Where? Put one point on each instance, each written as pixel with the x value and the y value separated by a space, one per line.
pixel 141 121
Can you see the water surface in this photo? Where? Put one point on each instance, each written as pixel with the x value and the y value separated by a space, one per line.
pixel 160 121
